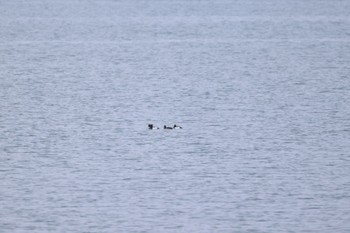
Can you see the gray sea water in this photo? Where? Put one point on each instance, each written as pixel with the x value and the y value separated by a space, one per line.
pixel 261 89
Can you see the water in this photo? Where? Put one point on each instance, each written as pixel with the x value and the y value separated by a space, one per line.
pixel 261 89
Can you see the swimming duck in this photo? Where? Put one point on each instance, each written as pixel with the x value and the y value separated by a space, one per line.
pixel 150 126
pixel 167 127
pixel 177 127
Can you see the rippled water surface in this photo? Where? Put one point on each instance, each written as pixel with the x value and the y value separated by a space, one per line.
pixel 261 89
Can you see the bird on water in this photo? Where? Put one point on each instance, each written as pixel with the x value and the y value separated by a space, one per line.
pixel 177 127
pixel 151 126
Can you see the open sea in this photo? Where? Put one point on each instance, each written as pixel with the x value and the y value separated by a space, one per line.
pixel 260 87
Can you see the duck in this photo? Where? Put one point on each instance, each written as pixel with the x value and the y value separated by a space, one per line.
pixel 150 126
pixel 177 127
pixel 167 127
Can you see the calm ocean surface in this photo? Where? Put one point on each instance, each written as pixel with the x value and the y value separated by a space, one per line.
pixel 261 89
